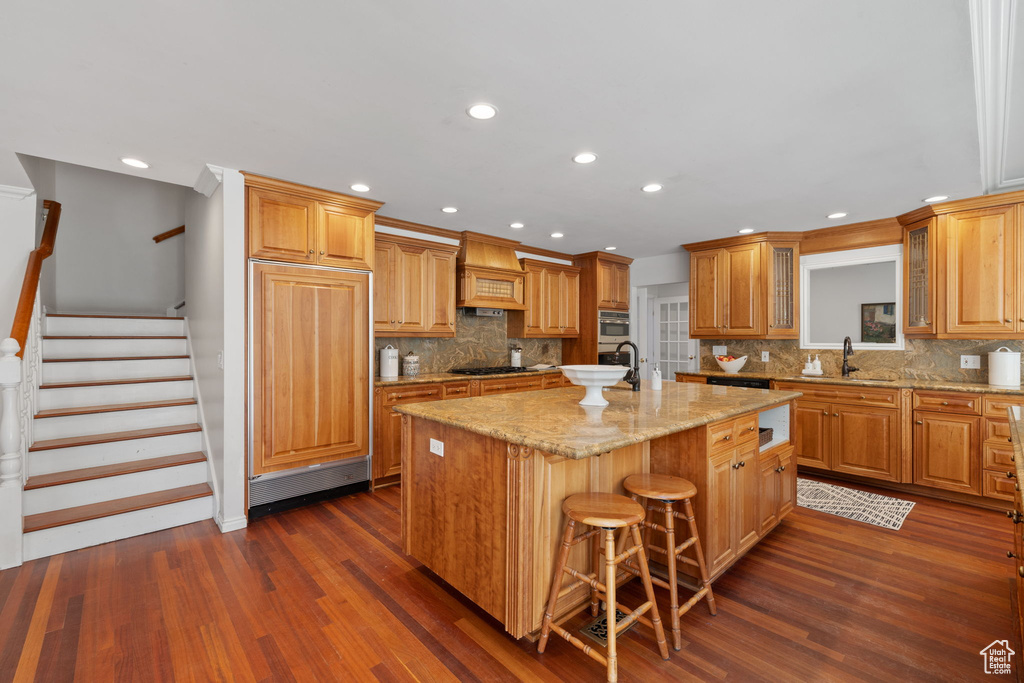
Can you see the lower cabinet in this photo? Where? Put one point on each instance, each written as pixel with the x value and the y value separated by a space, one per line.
pixel 778 486
pixel 946 450
pixel 864 441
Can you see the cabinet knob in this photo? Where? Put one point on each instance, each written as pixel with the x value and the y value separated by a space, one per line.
pixel 1007 320
pixel 735 465
pixel 1010 553
pixel 310 251
pixel 1020 571
pixel 835 414
pixel 392 322
pixel 945 403
pixel 1022 320
pixel 321 253
pixel 824 412
pixel 750 429
pixel 863 397
pixel 918 422
pixel 400 322
pixel 1011 475
pixel 780 469
pixel 726 437
pixel 743 463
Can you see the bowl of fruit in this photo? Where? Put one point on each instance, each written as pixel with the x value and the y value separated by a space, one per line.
pixel 731 364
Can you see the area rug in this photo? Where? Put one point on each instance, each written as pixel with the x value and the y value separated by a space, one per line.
pixel 859 506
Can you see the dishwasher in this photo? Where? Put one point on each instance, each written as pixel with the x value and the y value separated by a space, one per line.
pixel 746 382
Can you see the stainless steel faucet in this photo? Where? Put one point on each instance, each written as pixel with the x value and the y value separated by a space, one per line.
pixel 847 352
pixel 633 374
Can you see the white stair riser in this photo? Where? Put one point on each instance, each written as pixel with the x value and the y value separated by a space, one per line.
pixel 77 457
pixel 120 421
pixel 77 397
pixel 110 327
pixel 63 539
pixel 111 488
pixel 116 369
pixel 111 348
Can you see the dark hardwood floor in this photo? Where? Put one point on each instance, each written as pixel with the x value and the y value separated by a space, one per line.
pixel 324 593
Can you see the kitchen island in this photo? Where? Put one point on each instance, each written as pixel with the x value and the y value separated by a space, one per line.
pixel 484 479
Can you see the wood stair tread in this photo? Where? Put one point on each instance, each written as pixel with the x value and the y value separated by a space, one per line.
pixel 111 382
pixel 92 439
pixel 83 513
pixel 96 336
pixel 114 408
pixel 117 317
pixel 89 473
pixel 112 358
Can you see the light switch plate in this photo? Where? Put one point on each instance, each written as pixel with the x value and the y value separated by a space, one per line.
pixel 720 350
pixel 970 362
pixel 764 356
pixel 437 447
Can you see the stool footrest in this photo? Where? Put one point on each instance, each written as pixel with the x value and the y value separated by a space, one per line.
pixel 633 617
pixel 581 578
pixel 697 597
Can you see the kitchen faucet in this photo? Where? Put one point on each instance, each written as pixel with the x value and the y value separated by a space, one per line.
pixel 633 375
pixel 847 352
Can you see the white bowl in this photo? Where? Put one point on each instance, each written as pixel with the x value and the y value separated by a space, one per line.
pixel 593 378
pixel 732 366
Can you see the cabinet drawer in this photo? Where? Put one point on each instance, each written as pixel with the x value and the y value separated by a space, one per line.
pixel 504 386
pixel 745 428
pixel 852 395
pixel 998 432
pixel 996 485
pixel 995 406
pixel 412 393
pixel 948 402
pixel 720 435
pixel 997 457
pixel 552 381
pixel 456 389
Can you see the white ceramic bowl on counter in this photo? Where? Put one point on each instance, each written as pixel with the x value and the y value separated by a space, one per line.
pixel 594 378
pixel 732 366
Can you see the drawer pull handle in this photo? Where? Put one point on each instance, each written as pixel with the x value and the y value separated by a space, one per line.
pixel 945 403
pixel 1010 553
pixel 780 469
pixel 726 437
pixel 919 422
pixel 1011 475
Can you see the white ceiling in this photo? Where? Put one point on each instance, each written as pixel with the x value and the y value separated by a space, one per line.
pixel 762 114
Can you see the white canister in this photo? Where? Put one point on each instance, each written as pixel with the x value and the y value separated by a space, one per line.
pixel 410 364
pixel 389 362
pixel 516 357
pixel 1004 367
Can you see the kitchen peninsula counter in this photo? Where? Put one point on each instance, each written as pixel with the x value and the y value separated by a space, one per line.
pixel 484 479
pixel 855 381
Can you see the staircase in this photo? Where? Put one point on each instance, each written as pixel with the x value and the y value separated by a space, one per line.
pixel 117 448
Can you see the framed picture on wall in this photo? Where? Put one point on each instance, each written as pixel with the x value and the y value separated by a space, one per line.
pixel 878 323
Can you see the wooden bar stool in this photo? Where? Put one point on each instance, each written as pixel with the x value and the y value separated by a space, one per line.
pixel 606 512
pixel 662 491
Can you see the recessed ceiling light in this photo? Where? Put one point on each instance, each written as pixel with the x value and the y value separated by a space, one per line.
pixel 745 231
pixel 936 198
pixel 449 209
pixel 556 235
pixel 515 225
pixel 585 157
pixel 610 248
pixel 653 187
pixel 482 111
pixel 838 214
pixel 135 163
pixel 360 187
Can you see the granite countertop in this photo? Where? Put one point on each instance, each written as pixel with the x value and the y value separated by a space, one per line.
pixel 936 385
pixel 452 377
pixel 1017 438
pixel 553 421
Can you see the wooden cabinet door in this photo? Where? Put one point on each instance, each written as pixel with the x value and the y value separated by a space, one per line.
pixel 536 302
pixel 606 288
pixel 981 276
pixel 551 316
pixel 811 420
pixel 707 304
pixel 946 454
pixel 412 289
pixel 387 454
pixel 721 508
pixel 621 285
pixel 311 350
pixel 919 271
pixel 770 492
pixel 281 226
pixel 866 442
pixel 440 320
pixel 384 280
pixel 344 237
pixel 787 483
pixel 569 287
pixel 782 289
pixel 743 292
pixel 748 489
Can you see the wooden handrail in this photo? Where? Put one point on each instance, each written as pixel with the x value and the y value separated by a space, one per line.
pixel 169 234
pixel 27 300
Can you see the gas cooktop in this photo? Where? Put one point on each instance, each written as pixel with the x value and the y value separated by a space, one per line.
pixel 504 369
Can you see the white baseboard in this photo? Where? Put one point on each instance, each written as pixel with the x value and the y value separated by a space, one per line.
pixel 233 524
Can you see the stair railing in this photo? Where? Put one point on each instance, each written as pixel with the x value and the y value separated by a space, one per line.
pixel 19 382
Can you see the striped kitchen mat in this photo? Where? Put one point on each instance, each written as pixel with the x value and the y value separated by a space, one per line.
pixel 859 506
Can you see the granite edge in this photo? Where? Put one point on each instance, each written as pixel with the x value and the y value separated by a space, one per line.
pixel 450 377
pixel 937 385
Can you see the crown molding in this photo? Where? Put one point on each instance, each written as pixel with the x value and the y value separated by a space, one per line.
pixel 15 192
pixel 209 178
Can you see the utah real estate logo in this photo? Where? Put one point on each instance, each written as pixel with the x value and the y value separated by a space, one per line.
pixel 997 657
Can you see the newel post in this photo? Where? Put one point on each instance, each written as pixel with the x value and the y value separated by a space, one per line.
pixel 10 456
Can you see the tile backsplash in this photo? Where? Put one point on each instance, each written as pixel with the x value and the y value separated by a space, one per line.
pixel 478 342
pixel 928 359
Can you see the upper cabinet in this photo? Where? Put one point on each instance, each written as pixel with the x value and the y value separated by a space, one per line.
pixel 964 269
pixel 298 224
pixel 552 302
pixel 612 285
pixel 744 287
pixel 603 284
pixel 414 288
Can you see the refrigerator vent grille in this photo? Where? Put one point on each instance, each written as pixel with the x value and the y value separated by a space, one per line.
pixel 270 490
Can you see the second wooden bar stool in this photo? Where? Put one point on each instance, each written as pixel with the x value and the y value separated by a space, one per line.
pixel 605 512
pixel 662 491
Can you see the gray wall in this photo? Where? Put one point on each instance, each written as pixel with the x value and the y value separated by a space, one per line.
pixel 837 293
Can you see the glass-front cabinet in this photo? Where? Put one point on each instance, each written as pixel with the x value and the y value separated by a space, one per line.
pixel 919 247
pixel 782 299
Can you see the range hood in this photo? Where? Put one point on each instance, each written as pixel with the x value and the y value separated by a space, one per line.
pixel 489 273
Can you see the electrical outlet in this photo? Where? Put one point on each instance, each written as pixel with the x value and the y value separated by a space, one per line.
pixel 970 362
pixel 437 447
pixel 220 360
pixel 764 356
pixel 720 350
